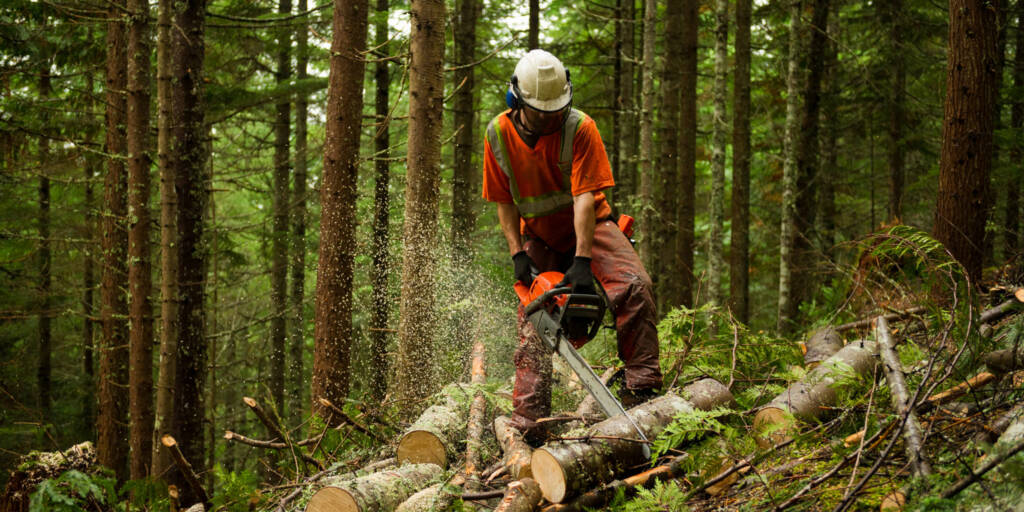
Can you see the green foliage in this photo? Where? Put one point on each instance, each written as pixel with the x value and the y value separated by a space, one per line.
pixel 689 425
pixel 74 491
pixel 662 496
pixel 234 489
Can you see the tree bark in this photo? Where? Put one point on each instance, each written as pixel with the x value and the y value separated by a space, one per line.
pixel 966 160
pixel 805 255
pixel 383 491
pixel 44 359
pixel 434 436
pixel 189 147
pixel 463 182
pixel 830 120
pixel 565 469
pixel 522 496
pixel 297 333
pixel 716 258
pixel 477 412
pixel 88 297
pixel 140 274
pixel 804 399
pixel 381 217
pixel 279 228
pixel 685 207
pixel 625 34
pixel 1011 228
pixel 664 271
pixel 333 333
pixel 648 247
pixel 897 85
pixel 788 228
pixel 112 419
pixel 168 239
pixel 533 31
pixel 739 242
pixel 516 453
pixel 416 311
pixel 901 399
pixel 429 499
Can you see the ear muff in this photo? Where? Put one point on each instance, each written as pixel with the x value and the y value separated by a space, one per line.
pixel 512 95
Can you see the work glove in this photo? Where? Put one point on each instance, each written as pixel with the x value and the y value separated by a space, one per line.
pixel 523 267
pixel 579 277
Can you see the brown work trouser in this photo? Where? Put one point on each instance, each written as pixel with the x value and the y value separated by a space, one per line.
pixel 617 267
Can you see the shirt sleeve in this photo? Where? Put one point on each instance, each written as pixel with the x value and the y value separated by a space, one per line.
pixel 496 186
pixel 591 171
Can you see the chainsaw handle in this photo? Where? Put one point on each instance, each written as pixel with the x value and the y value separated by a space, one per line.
pixel 540 301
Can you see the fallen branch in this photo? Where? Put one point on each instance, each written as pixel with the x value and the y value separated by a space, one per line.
pixel 271 445
pixel 901 399
pixel 348 420
pixel 185 467
pixel 745 463
pixel 866 322
pixel 961 389
pixel 475 427
pixel 991 464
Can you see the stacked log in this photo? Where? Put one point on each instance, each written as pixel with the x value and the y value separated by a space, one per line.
pixel 567 468
pixel 805 399
pixel 381 491
pixel 434 437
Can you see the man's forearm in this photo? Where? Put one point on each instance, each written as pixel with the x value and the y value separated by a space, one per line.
pixel 583 222
pixel 508 219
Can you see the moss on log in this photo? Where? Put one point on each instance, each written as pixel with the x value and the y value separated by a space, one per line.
pixel 805 398
pixel 433 438
pixel 429 499
pixel 568 468
pixel 382 491
pixel 35 467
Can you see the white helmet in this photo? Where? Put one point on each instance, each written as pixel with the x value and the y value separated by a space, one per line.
pixel 542 82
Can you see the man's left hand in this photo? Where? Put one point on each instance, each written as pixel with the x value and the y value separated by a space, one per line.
pixel 579 277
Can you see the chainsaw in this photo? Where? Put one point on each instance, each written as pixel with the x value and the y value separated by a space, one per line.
pixel 566 321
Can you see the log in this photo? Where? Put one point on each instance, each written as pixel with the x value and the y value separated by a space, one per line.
pixel 475 427
pixel 1015 414
pixel 805 398
pixel 34 468
pixel 1005 361
pixel 522 496
pixel 596 499
pixel 434 436
pixel 565 469
pixel 822 344
pixel 516 453
pixel 429 499
pixel 960 389
pixel 382 491
pixel 901 399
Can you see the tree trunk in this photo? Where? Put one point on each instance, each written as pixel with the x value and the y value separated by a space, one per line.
pixel 625 33
pixel 739 242
pixel 533 33
pixel 426 92
pixel 788 228
pixel 43 363
pixel 140 275
pixel 297 346
pixel 961 204
pixel 804 271
pixel 381 217
pixel 567 468
pixel 1011 228
pixel 648 247
pixel 664 270
pixel 189 147
pixel 112 420
pixel 716 258
pixel 333 334
pixel 168 239
pixel 382 491
pixel 897 86
pixel 279 229
pixel 89 284
pixel 829 171
pixel 685 208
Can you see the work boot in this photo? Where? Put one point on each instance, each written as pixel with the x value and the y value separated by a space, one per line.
pixel 631 398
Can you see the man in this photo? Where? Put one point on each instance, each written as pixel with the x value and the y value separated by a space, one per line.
pixel 545 166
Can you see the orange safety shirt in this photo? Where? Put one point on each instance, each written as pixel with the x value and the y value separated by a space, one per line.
pixel 540 183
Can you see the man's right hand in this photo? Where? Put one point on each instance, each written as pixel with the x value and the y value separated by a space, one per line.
pixel 523 266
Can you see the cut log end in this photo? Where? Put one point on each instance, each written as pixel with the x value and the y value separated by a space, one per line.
pixel 1019 294
pixel 771 427
pixel 251 402
pixel 895 500
pixel 168 440
pixel 549 474
pixel 420 446
pixel 332 499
